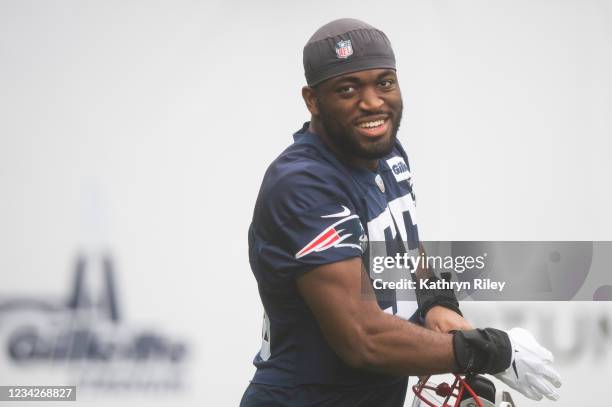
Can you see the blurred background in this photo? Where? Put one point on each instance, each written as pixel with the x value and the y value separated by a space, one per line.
pixel 134 136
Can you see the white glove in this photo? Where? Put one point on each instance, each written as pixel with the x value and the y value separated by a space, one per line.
pixel 530 371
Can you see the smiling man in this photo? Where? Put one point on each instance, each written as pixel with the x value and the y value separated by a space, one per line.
pixel 342 187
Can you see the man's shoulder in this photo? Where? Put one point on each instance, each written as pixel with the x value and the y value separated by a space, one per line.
pixel 300 179
pixel 301 165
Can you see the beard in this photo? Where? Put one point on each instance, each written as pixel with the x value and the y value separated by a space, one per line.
pixel 346 139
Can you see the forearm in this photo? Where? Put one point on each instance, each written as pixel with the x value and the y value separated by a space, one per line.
pixel 393 346
pixel 398 347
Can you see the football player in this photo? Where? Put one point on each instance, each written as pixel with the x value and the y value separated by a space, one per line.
pixel 343 188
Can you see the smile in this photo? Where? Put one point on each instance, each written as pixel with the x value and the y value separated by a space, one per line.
pixel 373 128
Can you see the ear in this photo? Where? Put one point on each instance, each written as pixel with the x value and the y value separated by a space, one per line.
pixel 310 98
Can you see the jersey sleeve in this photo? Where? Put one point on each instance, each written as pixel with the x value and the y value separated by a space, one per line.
pixel 306 220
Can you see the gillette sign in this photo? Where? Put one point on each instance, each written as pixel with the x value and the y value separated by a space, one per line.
pixel 85 337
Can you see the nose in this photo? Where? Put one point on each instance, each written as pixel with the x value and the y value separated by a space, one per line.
pixel 370 99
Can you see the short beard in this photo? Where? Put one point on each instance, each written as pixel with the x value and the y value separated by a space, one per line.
pixel 347 141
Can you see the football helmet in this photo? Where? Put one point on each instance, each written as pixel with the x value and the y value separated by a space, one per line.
pixel 464 391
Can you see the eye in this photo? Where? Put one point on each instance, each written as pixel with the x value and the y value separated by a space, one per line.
pixel 344 90
pixel 386 83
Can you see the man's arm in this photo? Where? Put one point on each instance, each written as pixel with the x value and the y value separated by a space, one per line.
pixel 362 334
pixel 366 338
pixel 439 318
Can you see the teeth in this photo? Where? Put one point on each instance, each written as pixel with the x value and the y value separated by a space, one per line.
pixel 372 124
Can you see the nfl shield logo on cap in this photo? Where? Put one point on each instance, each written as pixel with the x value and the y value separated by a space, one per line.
pixel 344 49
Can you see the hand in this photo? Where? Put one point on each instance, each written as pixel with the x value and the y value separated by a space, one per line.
pixel 441 319
pixel 530 372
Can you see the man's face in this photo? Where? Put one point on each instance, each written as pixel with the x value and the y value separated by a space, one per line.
pixel 361 112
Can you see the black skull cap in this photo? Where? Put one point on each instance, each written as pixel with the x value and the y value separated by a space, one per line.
pixel 344 46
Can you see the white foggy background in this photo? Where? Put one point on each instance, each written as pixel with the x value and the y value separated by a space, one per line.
pixel 143 128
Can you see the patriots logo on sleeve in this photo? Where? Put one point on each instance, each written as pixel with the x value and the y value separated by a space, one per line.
pixel 347 231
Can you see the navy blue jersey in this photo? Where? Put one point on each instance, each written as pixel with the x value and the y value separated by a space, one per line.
pixel 313 209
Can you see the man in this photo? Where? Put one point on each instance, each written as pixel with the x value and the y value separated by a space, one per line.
pixel 342 188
